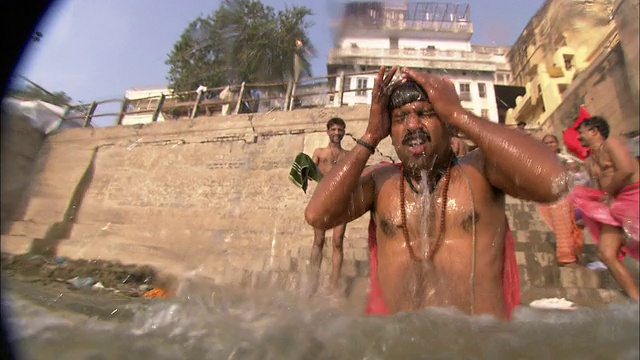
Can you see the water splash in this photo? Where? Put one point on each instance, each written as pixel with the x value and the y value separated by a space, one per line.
pixel 214 323
pixel 424 201
pixel 563 184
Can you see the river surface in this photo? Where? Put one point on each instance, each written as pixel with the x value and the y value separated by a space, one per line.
pixel 205 323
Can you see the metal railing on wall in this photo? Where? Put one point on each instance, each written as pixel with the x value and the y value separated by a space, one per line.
pixel 312 92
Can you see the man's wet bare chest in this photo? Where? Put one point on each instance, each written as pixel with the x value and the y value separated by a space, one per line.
pixel 424 212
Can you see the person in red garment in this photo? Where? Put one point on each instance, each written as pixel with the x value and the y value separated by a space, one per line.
pixel 439 234
pixel 561 218
pixel 610 207
pixel 571 136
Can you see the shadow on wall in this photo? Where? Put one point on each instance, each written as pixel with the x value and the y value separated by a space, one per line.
pixel 22 152
pixel 62 230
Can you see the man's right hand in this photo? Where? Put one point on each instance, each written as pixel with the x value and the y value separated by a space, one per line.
pixel 379 120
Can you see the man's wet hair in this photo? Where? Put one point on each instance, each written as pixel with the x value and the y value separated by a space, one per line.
pixel 409 92
pixel 598 123
pixel 406 93
pixel 336 121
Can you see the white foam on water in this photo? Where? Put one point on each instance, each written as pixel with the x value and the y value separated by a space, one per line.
pixel 206 323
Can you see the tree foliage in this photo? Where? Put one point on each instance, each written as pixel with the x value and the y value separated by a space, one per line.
pixel 243 40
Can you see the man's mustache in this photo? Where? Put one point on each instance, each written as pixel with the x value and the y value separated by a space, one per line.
pixel 419 134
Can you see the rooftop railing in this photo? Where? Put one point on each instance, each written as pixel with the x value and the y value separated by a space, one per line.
pixel 410 53
pixel 242 98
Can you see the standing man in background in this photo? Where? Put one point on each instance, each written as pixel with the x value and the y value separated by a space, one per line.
pixel 326 158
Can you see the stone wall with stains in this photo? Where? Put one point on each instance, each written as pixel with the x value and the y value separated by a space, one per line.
pixel 604 89
pixel 213 196
pixel 20 146
pixel 626 17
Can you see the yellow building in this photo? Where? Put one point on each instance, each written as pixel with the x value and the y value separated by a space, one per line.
pixel 561 40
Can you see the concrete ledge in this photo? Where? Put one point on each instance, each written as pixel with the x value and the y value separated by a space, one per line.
pixel 15 244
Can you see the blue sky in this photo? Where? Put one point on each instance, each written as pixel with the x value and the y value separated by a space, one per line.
pixel 96 49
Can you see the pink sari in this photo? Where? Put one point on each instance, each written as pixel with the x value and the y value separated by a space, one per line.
pixel 623 213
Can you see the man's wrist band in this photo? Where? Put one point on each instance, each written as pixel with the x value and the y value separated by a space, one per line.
pixel 366 145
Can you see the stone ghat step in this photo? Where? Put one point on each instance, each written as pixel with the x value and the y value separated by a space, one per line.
pixel 537 269
pixel 15 244
pixel 579 296
pixel 356 289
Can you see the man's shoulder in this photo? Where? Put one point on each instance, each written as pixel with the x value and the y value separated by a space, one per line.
pixel 381 168
pixel 320 150
pixel 613 141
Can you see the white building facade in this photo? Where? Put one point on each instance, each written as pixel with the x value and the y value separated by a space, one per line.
pixel 143 99
pixel 431 37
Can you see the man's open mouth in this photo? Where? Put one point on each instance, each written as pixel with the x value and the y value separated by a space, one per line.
pixel 416 141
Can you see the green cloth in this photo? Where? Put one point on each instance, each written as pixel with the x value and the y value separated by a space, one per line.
pixel 303 169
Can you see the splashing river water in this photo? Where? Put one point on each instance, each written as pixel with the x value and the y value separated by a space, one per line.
pixel 206 323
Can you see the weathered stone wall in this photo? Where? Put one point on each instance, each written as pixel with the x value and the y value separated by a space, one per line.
pixel 627 23
pixel 20 146
pixel 604 89
pixel 213 195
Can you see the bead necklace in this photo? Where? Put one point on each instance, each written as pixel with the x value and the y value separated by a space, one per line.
pixel 403 215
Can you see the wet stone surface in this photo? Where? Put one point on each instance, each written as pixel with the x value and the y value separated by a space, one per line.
pixel 95 275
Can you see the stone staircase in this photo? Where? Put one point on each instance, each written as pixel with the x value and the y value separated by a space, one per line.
pixel 540 275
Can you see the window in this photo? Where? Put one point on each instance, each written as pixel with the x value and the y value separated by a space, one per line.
pixel 393 43
pixel 544 109
pixel 484 113
pixel 562 88
pixel 568 61
pixel 143 104
pixel 361 85
pixel 465 91
pixel 482 90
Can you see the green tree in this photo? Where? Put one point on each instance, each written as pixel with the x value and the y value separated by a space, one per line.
pixel 198 58
pixel 243 40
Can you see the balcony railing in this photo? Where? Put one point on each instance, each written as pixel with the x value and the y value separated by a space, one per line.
pixel 421 54
pixel 240 98
pixel 391 24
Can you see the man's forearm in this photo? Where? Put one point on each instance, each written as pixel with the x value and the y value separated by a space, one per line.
pixel 526 163
pixel 331 197
pixel 617 183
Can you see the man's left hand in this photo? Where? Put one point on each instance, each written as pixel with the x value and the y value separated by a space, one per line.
pixel 441 92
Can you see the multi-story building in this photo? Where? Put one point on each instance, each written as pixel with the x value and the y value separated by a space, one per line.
pixel 143 99
pixel 562 39
pixel 432 37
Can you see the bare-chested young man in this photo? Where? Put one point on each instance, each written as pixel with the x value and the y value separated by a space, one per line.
pixel 326 158
pixel 464 257
pixel 610 210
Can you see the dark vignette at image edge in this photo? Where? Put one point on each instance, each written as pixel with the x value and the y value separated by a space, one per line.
pixel 21 19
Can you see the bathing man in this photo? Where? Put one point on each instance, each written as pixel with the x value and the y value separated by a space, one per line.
pixel 610 211
pixel 326 158
pixel 426 256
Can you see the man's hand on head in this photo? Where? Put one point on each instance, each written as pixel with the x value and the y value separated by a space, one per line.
pixel 379 125
pixel 441 92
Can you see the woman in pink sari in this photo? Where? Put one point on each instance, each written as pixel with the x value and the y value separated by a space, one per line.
pixel 560 217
